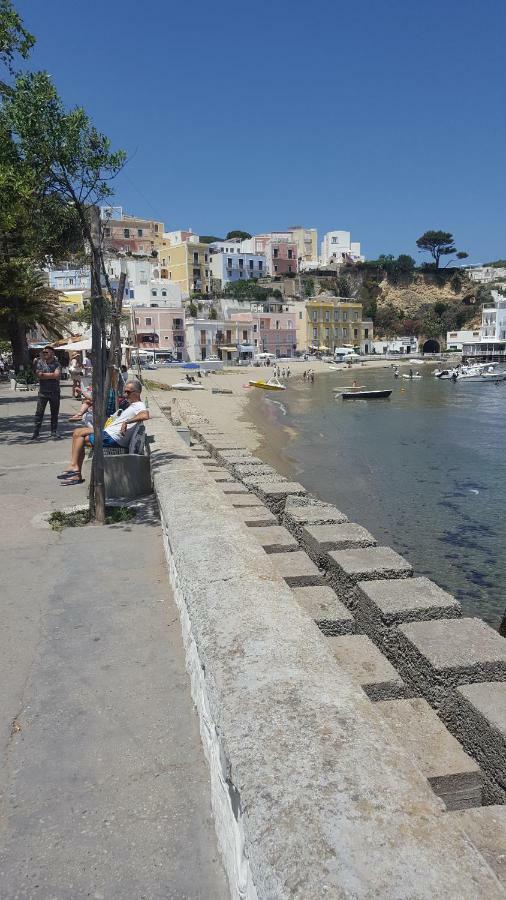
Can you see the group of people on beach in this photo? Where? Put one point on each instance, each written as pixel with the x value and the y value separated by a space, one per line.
pixel 117 428
pixel 308 375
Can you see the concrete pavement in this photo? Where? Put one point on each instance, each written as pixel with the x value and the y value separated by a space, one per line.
pixel 104 790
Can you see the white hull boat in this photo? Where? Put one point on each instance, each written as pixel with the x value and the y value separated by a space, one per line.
pixel 188 386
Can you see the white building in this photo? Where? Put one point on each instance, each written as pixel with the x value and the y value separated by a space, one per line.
pixel 228 263
pixel 144 286
pixel 455 340
pixel 337 247
pixel 404 345
pixel 486 274
pixel 491 346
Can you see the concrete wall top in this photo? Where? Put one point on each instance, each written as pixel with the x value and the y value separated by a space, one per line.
pixel 330 804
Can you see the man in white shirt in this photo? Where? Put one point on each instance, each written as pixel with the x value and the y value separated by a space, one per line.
pixel 117 432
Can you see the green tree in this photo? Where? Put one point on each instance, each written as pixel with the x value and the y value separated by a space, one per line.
pixel 238 235
pixel 438 244
pixel 213 313
pixel 208 238
pixel 15 40
pixel 29 303
pixel 308 287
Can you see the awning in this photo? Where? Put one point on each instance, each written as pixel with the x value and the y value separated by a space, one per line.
pixel 229 349
pixel 321 347
pixel 77 345
pixel 246 348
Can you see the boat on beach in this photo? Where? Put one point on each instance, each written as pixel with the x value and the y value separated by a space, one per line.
pixel 188 386
pixel 365 395
pixel 272 385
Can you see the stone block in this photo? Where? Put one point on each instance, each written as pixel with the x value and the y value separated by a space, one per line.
pixel 396 600
pixel 248 470
pixel 481 716
pixel 256 516
pixel 450 771
pixel 325 609
pixel 222 475
pixel 357 654
pixel 457 650
pixel 296 568
pixel 319 539
pixel 275 493
pixel 219 444
pixel 262 479
pixel 275 539
pixel 312 514
pixel 211 463
pixel 347 567
pixel 234 455
pixel 234 488
pixel 201 454
pixel 246 501
pixel 126 476
pixel 485 827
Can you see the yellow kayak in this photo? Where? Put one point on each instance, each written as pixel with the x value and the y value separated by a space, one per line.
pixel 272 385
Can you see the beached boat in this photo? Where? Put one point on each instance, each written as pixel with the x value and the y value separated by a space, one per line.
pixel 365 395
pixel 188 386
pixel 272 385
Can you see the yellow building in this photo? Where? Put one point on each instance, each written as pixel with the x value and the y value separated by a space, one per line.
pixel 333 322
pixel 185 260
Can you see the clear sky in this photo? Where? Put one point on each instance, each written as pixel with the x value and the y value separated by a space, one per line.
pixel 383 117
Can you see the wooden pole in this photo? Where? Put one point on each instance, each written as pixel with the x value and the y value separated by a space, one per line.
pixel 97 494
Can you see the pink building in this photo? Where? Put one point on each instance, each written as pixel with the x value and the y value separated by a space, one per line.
pixel 279 248
pixel 160 329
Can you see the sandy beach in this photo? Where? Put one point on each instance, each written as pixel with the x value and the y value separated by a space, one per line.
pixel 232 413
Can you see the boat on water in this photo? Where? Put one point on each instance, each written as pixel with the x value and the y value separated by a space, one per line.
pixel 411 377
pixel 365 395
pixel 494 377
pixel 474 372
pixel 188 386
pixel 272 385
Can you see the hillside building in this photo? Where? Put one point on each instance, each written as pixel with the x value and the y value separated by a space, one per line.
pixel 129 234
pixel 337 248
pixel 333 322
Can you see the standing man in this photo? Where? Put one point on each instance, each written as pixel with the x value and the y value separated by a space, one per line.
pixel 48 372
pixel 87 372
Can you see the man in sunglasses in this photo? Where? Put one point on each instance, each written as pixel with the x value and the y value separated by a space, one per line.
pixel 47 368
pixel 117 432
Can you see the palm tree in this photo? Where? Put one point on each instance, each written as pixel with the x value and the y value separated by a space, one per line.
pixel 27 302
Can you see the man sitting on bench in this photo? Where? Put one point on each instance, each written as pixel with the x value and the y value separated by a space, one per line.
pixel 117 432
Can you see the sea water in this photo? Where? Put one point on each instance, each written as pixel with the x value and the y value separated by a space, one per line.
pixel 424 471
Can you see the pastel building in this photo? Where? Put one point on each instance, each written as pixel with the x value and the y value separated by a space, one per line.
pixel 74 285
pixel 159 329
pixel 279 248
pixel 274 329
pixel 146 281
pixel 129 234
pixel 333 322
pixel 229 264
pixel 211 338
pixel 185 261
pixel 491 346
pixel 306 240
pixel 337 247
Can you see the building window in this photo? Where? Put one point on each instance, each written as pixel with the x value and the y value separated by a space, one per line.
pixel 126 232
pixel 139 232
pixel 136 321
pixel 229 263
pixel 206 258
pixel 345 332
pixel 260 266
pixel 132 294
pixel 327 315
pixel 315 333
pixel 195 257
pixel 345 316
pixel 275 268
pixel 300 315
pixel 290 255
pixel 289 268
pixel 275 253
pixel 255 328
pixel 164 293
pixel 251 265
pixel 241 263
pixel 156 226
pixel 148 321
pixel 154 293
pixel 366 332
pixel 355 332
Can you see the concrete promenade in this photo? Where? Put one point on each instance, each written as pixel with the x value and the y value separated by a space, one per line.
pixel 104 791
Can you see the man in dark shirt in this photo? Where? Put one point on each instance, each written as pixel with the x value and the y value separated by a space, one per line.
pixel 49 373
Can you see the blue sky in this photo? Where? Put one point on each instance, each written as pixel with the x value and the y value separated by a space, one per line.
pixel 383 118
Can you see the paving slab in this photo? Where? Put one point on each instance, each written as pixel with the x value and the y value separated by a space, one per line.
pixel 396 600
pixel 370 563
pixel 452 773
pixel 328 612
pixel 256 516
pixel 296 568
pixel 366 664
pixel 458 649
pixel 338 536
pixel 486 828
pixel 275 539
pixel 221 474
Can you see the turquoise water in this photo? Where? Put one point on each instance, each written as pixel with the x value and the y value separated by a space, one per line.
pixel 425 470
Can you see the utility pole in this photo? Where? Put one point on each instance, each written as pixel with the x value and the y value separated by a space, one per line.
pixel 97 490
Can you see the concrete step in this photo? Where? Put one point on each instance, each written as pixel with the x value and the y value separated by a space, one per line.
pixel 245 501
pixel 393 601
pixel 262 478
pixel 233 455
pixel 297 515
pixel 347 567
pixel 325 609
pixel 482 717
pixel 451 773
pixel 485 827
pixel 220 474
pixel 275 539
pixel 319 539
pixel 256 516
pixel 296 568
pixel 363 661
pixel 248 470
pixel 234 488
pixel 275 493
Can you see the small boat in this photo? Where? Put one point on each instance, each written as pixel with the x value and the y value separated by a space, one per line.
pixel 365 395
pixel 411 377
pixel 494 377
pixel 188 386
pixel 444 374
pixel 272 385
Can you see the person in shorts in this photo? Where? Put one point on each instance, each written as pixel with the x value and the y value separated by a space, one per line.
pixel 117 432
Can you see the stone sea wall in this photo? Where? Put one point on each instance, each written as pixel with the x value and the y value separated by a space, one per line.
pixel 354 722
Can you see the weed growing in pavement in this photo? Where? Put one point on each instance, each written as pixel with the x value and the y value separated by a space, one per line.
pixel 115 515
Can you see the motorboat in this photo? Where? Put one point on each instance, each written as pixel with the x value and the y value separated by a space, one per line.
pixel 188 386
pixel 474 372
pixel 445 374
pixel 493 376
pixel 365 395
pixel 411 377
pixel 273 384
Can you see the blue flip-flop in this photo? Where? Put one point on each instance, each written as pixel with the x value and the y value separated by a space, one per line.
pixel 69 483
pixel 69 474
